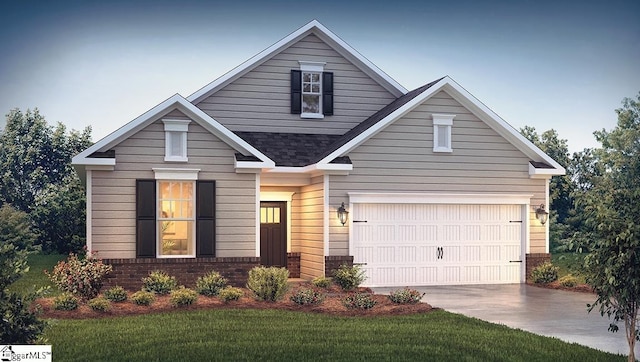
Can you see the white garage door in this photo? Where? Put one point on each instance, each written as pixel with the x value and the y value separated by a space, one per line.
pixel 432 244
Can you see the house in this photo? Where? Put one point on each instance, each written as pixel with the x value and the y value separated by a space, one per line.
pixel 433 187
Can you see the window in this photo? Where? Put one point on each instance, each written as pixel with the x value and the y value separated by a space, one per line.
pixel 176 218
pixel 175 133
pixel 175 215
pixel 442 124
pixel 311 90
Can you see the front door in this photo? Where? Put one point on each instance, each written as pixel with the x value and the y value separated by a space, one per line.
pixel 273 234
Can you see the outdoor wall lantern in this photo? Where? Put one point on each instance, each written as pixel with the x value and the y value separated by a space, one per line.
pixel 542 214
pixel 343 214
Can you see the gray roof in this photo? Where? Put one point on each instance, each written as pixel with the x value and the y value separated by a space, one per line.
pixel 298 150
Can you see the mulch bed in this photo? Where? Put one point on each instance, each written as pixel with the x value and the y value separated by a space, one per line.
pixel 331 305
pixel 581 288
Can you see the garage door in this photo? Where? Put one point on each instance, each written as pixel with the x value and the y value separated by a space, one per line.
pixel 433 244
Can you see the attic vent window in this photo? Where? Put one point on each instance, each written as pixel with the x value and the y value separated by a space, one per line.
pixel 311 90
pixel 442 124
pixel 175 137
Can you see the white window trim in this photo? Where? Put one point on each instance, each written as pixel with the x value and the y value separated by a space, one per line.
pixel 171 127
pixel 442 120
pixel 312 67
pixel 176 174
pixel 159 254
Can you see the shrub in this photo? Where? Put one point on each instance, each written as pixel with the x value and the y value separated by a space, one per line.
pixel 348 277
pixel 100 304
pixel 210 284
pixel 142 297
pixel 406 296
pixel 359 301
pixel 19 322
pixel 568 281
pixel 183 296
pixel 65 301
pixel 321 282
pixel 230 293
pixel 307 297
pixel 116 294
pixel 159 282
pixel 82 277
pixel 545 273
pixel 268 284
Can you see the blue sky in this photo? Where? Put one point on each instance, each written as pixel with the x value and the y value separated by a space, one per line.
pixel 549 64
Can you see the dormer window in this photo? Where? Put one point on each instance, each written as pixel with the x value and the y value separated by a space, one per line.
pixel 311 90
pixel 442 124
pixel 175 140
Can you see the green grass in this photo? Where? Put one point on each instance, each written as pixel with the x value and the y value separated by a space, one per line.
pixel 248 335
pixel 36 276
pixel 569 263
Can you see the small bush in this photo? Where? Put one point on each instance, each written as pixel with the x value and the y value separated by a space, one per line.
pixel 116 294
pixel 142 297
pixel 159 282
pixel 230 293
pixel 348 277
pixel 210 284
pixel 83 277
pixel 568 281
pixel 65 301
pixel 406 296
pixel 307 297
pixel 545 273
pixel 359 301
pixel 268 284
pixel 100 304
pixel 183 296
pixel 321 282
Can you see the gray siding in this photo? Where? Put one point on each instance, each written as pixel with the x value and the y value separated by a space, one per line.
pixel 259 101
pixel 401 158
pixel 113 203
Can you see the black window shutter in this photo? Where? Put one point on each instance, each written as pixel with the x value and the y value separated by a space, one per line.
pixel 145 218
pixel 327 93
pixel 206 219
pixel 296 92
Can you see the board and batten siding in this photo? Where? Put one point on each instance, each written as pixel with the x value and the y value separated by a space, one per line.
pixel 113 192
pixel 308 217
pixel 260 100
pixel 400 158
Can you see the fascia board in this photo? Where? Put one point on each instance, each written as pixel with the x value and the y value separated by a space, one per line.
pixel 544 172
pixel 322 32
pixel 499 125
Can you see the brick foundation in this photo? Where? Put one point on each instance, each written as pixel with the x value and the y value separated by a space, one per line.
pixel 128 273
pixel 333 262
pixel 533 260
pixel 293 265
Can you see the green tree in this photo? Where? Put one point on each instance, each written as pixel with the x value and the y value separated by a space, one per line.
pixel 561 202
pixel 612 208
pixel 19 324
pixel 36 177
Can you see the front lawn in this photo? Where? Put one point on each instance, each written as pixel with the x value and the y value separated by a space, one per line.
pixel 35 276
pixel 248 335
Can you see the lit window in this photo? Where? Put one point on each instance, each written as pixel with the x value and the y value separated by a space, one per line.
pixel 176 218
pixel 175 133
pixel 442 124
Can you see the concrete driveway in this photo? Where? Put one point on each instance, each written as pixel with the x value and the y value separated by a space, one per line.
pixel 552 313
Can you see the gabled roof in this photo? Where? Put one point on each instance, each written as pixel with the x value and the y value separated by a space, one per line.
pixel 94 155
pixel 403 105
pixel 313 27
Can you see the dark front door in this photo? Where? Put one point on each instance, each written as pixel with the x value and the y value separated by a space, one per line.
pixel 273 234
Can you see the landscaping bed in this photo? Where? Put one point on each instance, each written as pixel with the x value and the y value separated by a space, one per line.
pixel 332 305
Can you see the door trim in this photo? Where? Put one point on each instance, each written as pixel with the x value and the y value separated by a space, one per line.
pixel 285 196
